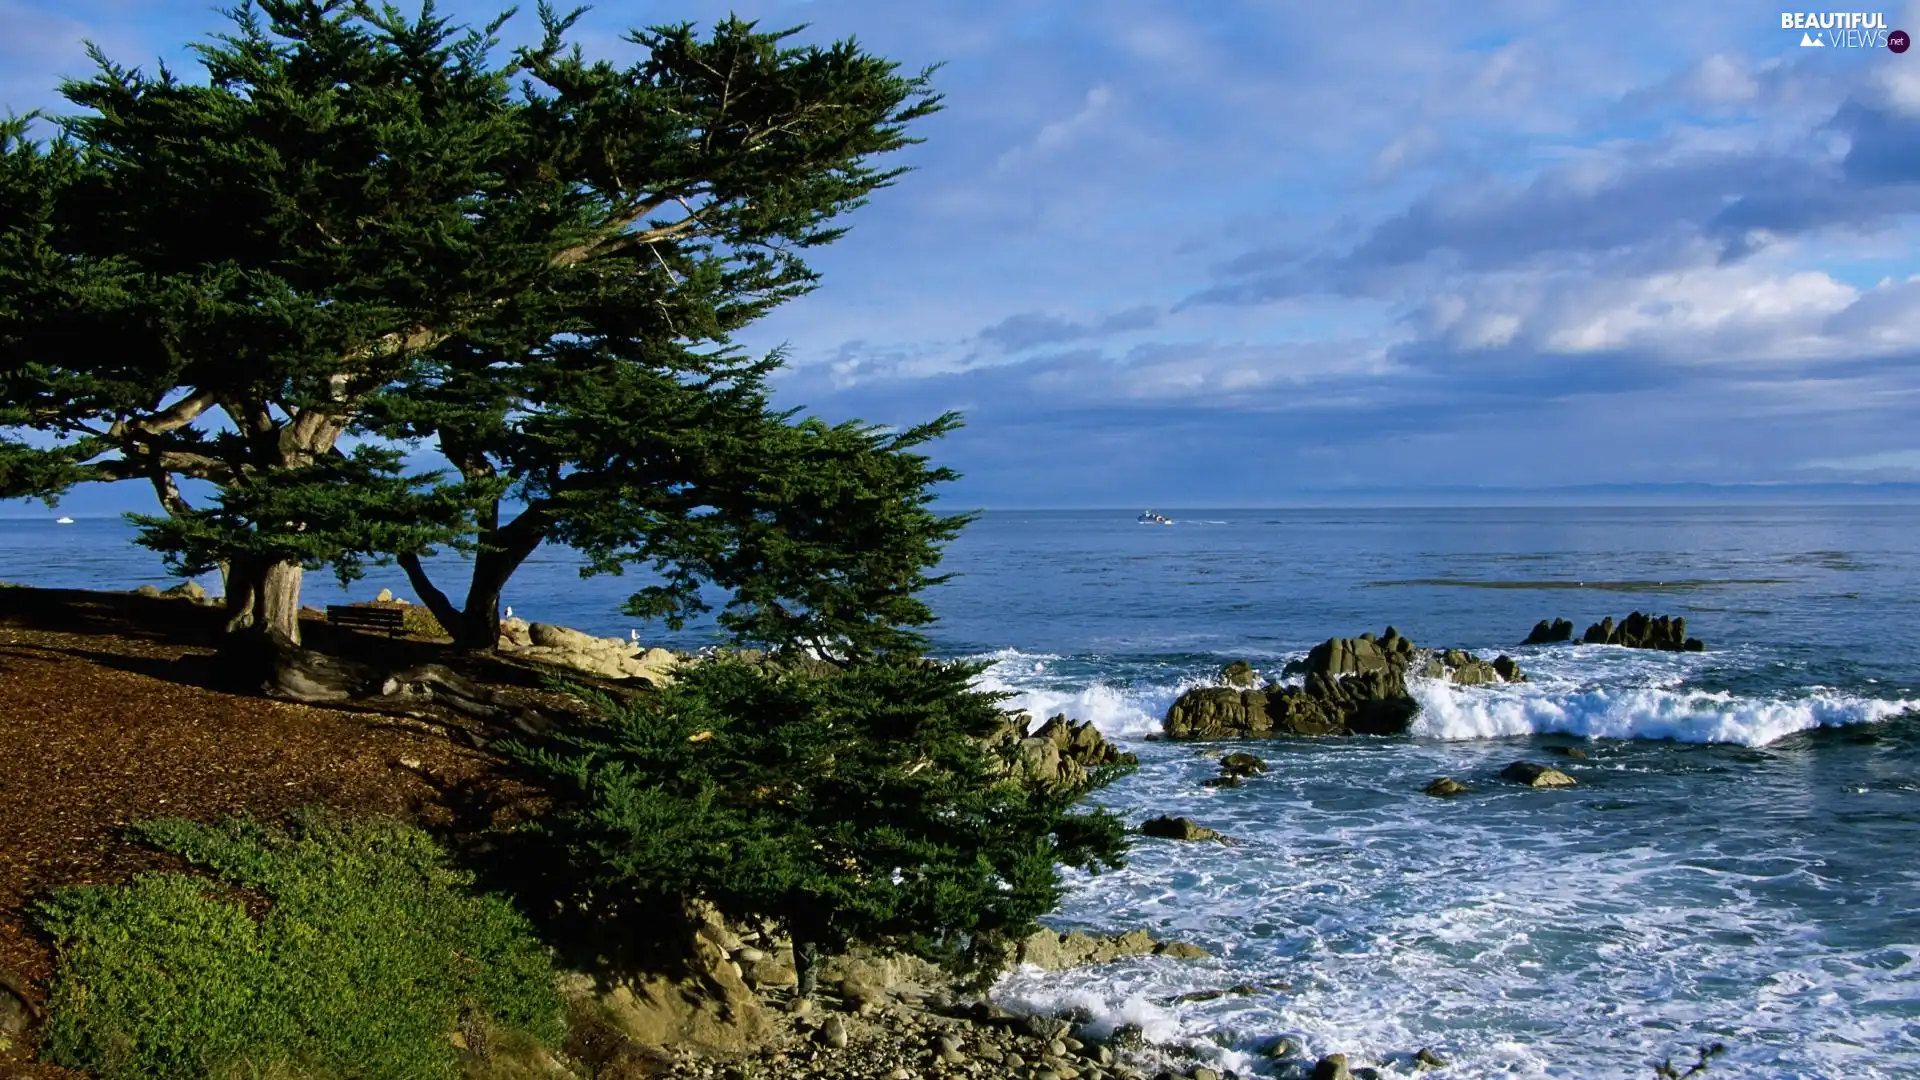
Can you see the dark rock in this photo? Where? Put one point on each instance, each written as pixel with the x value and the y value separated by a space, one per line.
pixel 1550 633
pixel 1352 686
pixel 1222 782
pixel 1241 674
pixel 1446 787
pixel 1568 752
pixel 1178 828
pixel 1534 775
pixel 1332 1067
pixel 1241 764
pixel 1643 631
pixel 1427 1059
pixel 1508 669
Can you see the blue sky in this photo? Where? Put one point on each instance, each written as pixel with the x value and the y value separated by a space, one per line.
pixel 1233 253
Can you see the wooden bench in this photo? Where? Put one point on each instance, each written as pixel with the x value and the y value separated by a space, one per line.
pixel 392 620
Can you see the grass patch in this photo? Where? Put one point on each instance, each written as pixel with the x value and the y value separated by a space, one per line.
pixel 363 953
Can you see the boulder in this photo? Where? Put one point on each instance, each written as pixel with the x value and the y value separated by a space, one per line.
pixel 1537 776
pixel 1058 755
pixel 1241 674
pixel 1643 631
pixel 384 596
pixel 1241 764
pixel 1056 952
pixel 1446 787
pixel 1332 1067
pixel 189 590
pixel 608 658
pixel 1178 828
pixel 1550 633
pixel 1351 686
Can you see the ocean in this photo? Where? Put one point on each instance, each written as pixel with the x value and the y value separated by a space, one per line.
pixel 1740 862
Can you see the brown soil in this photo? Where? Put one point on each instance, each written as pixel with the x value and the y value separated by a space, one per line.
pixel 109 714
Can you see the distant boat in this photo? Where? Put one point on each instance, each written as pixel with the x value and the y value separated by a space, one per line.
pixel 63 521
pixel 1151 518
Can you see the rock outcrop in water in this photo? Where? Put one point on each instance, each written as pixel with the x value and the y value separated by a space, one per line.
pixel 1640 631
pixel 1352 686
pixel 1550 633
pixel 1058 754
pixel 1636 631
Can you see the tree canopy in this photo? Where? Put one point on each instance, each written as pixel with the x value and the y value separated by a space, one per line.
pixel 364 222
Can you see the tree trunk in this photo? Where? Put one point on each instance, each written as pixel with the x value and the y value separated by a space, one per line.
pixel 276 605
pixel 264 598
pixel 502 549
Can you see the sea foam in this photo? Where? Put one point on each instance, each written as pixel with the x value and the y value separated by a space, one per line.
pixel 1637 712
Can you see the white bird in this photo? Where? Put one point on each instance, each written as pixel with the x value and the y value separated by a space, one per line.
pixel 509 611
pixel 633 636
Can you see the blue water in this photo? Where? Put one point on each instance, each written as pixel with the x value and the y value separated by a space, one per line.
pixel 1740 863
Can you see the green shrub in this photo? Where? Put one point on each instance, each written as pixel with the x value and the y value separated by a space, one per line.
pixel 417 620
pixel 856 806
pixel 370 952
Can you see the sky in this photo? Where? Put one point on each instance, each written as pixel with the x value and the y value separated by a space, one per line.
pixel 1227 253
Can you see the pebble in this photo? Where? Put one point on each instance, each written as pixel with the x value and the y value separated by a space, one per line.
pixel 835 1032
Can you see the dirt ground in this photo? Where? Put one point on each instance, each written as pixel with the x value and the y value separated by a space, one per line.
pixel 109 714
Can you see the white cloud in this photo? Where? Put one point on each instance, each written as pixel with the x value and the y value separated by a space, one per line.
pixel 1059 133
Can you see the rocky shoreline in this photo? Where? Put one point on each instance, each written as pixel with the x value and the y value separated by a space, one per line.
pixel 894 1018
pixel 1351 686
pixel 1358 686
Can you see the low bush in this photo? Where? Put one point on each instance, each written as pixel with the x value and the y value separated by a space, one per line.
pixel 326 949
pixel 853 806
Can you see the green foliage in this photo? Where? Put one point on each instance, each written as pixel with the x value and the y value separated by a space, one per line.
pixel 823 537
pixel 365 219
pixel 355 506
pixel 854 805
pixel 371 951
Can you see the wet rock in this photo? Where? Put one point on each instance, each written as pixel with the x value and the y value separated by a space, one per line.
pixel 1550 633
pixel 1241 674
pixel 1222 782
pixel 1060 754
pixel 1508 669
pixel 1535 775
pixel 1351 686
pixel 1057 952
pixel 1332 1067
pixel 1427 1059
pixel 1445 787
pixel 1241 764
pixel 1178 828
pixel 1642 631
pixel 1568 752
